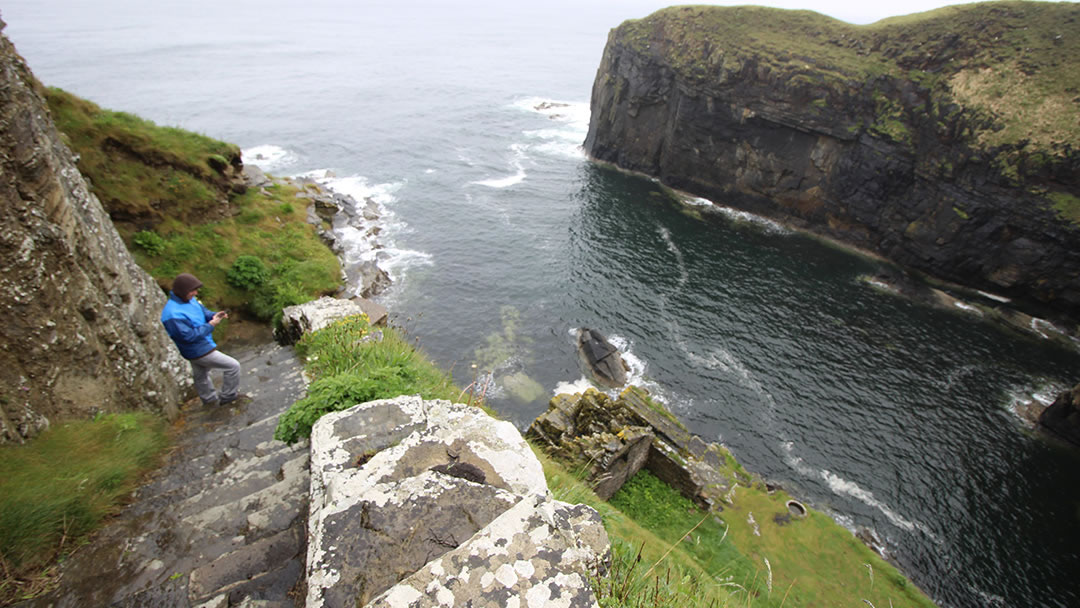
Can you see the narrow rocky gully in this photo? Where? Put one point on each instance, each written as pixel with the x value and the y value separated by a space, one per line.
pixel 222 523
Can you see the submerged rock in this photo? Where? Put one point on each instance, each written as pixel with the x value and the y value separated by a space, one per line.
pixel 602 358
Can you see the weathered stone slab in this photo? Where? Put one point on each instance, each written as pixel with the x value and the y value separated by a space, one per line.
pixel 400 482
pixel 244 564
pixel 538 553
pixel 376 312
pixel 313 316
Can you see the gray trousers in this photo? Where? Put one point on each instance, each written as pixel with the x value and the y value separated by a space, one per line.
pixel 200 369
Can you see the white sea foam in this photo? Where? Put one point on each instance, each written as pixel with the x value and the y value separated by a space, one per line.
pixel 580 385
pixel 1042 393
pixel 878 284
pixel 697 201
pixel 517 163
pixel 268 157
pixel 568 126
pixel 795 462
pixel 371 240
pixel 745 217
pixel 840 485
pixel 665 234
pixel 964 306
pixel 994 297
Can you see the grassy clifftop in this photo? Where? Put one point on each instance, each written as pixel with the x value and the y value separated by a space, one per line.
pixel 1013 63
pixel 179 201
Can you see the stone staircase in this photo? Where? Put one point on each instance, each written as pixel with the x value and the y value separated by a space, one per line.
pixel 222 523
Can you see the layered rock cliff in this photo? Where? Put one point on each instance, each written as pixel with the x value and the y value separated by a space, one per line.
pixel 80 330
pixel 945 141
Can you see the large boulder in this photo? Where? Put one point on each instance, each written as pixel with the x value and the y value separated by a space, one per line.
pixel 317 314
pixel 419 502
pixel 602 358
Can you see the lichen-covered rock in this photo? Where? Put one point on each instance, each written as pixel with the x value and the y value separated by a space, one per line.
pixel 615 438
pixel 398 483
pixel 535 554
pixel 313 316
pixel 81 330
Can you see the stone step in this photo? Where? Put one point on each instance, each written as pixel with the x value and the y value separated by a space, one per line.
pixel 267 565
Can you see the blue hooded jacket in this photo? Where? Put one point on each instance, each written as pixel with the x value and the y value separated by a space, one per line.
pixel 187 324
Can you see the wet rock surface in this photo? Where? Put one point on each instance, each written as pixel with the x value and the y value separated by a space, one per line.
pixel 221 523
pixel 602 359
pixel 425 503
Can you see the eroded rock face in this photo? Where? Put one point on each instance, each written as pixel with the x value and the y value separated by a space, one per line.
pixel 430 503
pixel 80 332
pixel 816 151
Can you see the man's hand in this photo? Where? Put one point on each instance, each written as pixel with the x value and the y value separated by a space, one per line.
pixel 218 317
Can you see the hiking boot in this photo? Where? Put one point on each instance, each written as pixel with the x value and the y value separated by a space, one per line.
pixel 239 399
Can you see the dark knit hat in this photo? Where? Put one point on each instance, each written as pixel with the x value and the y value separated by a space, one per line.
pixel 184 284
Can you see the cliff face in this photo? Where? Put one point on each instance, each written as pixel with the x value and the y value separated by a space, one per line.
pixel 80 330
pixel 944 141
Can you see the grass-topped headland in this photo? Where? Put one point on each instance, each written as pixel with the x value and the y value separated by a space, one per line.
pixel 179 202
pixel 1012 64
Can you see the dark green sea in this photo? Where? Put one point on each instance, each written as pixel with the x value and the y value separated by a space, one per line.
pixel 463 122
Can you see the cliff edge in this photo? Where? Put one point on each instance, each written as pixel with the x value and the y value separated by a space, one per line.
pixel 80 332
pixel 945 141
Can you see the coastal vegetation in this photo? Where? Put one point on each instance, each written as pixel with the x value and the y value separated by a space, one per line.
pixel 57 488
pixel 1006 67
pixel 180 205
pixel 351 362
pixel 253 249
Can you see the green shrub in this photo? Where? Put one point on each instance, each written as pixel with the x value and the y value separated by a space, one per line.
pixel 275 295
pixel 341 392
pixel 247 272
pixel 150 242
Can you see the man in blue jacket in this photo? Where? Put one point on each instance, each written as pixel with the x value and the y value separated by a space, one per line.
pixel 190 324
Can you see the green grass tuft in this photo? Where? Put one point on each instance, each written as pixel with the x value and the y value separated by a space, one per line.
pixel 349 366
pixel 57 488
